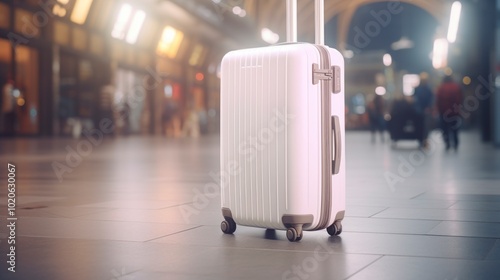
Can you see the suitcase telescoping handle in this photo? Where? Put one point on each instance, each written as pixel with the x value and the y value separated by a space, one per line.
pixel 319 21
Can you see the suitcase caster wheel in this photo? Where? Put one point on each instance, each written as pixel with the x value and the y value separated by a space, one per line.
pixel 228 227
pixel 293 235
pixel 300 236
pixel 334 229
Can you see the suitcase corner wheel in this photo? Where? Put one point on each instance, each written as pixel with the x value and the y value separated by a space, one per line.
pixel 334 229
pixel 228 226
pixel 294 234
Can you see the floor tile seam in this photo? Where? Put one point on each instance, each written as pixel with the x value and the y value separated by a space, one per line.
pixel 383 218
pixel 139 209
pixel 146 241
pixel 463 199
pixel 77 217
pixel 490 252
pixel 479 260
pixel 415 196
pixel 424 235
pixel 365 267
pixel 371 216
pixel 81 239
pixel 177 205
pixel 422 219
pixel 312 251
pixel 404 207
pixel 475 210
pixel 108 220
pixel 453 204
pixel 435 226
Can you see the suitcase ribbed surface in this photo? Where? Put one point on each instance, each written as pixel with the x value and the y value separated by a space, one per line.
pixel 253 142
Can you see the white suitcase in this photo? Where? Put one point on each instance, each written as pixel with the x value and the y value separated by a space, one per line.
pixel 282 135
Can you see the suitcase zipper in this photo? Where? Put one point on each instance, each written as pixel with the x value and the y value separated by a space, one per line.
pixel 324 72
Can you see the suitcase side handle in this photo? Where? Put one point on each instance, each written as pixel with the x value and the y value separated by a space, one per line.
pixel 337 143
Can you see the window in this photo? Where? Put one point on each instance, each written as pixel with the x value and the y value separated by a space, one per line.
pixel 197 56
pixel 24 24
pixel 96 44
pixel 79 39
pixel 4 16
pixel 61 33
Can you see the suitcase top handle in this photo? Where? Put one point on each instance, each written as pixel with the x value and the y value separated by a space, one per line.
pixel 319 21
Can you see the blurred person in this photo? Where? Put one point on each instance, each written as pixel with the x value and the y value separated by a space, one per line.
pixel 124 116
pixel 376 116
pixel 106 104
pixel 422 101
pixel 191 127
pixel 168 116
pixel 9 107
pixel 66 111
pixel 448 99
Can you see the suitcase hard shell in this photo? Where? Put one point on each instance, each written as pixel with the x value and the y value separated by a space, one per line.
pixel 282 144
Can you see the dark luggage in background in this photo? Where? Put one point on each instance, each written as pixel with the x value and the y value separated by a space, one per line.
pixel 405 123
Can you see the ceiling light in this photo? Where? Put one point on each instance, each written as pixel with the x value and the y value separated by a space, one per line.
pixel 269 36
pixel 135 27
pixel 403 43
pixel 81 11
pixel 440 53
pixel 387 59
pixel 456 9
pixel 121 22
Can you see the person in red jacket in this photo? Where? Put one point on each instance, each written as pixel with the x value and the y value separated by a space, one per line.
pixel 448 100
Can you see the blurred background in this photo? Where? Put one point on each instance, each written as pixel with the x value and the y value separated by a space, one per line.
pixel 152 67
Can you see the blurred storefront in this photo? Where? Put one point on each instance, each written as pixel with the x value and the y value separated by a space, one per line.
pixel 72 63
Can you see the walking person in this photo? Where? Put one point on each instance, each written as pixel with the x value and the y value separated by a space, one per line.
pixel 376 116
pixel 8 109
pixel 449 98
pixel 422 102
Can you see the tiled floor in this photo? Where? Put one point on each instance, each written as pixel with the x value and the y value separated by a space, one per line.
pixel 148 208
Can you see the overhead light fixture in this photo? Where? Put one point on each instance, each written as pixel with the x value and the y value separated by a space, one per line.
pixel 135 26
pixel 121 22
pixel 237 10
pixel 348 53
pixel 59 8
pixel 380 91
pixel 170 42
pixel 196 55
pixel 403 43
pixel 128 24
pixel 81 11
pixel 440 53
pixel 410 81
pixel 387 59
pixel 456 9
pixel 269 36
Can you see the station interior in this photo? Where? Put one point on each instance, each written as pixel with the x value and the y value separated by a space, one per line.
pixel 110 140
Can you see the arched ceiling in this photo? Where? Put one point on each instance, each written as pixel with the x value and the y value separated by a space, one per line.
pixel 271 14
